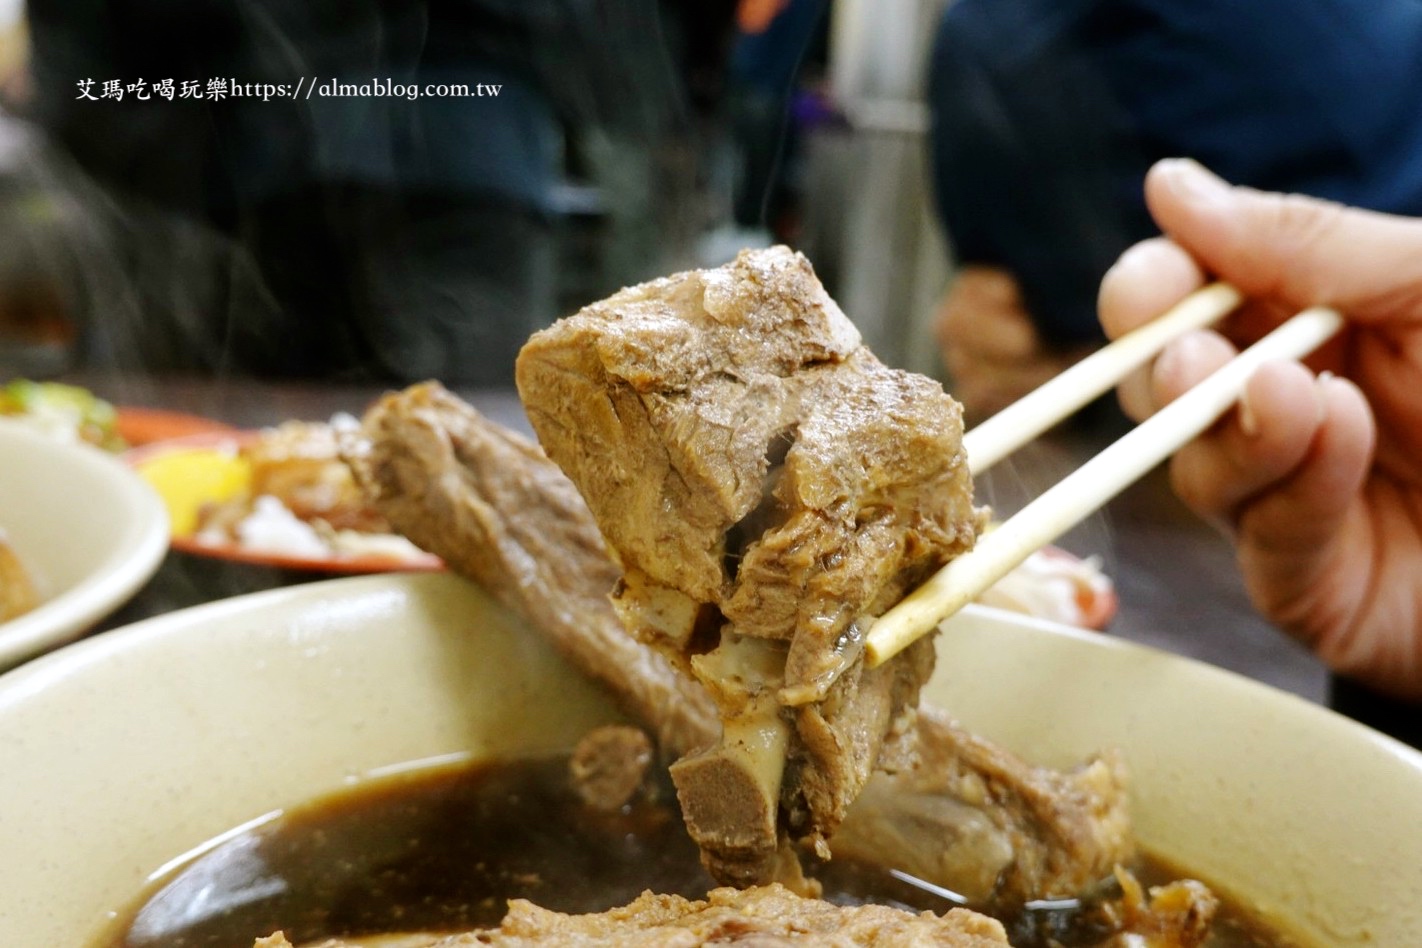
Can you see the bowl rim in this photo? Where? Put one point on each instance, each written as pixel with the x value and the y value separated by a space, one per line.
pixel 73 657
pixel 130 564
pixel 21 681
pixel 72 665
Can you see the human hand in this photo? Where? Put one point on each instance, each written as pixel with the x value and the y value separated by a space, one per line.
pixel 989 344
pixel 1318 473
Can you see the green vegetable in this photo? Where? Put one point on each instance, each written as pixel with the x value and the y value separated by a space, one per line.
pixel 62 408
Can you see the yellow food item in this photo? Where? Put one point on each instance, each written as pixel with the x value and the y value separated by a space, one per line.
pixel 190 478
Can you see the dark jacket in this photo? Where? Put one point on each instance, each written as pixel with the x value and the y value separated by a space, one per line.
pixel 1047 114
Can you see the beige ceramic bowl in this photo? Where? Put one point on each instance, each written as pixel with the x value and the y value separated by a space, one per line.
pixel 120 753
pixel 87 529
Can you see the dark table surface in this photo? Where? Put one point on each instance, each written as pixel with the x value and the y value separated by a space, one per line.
pixel 1175 576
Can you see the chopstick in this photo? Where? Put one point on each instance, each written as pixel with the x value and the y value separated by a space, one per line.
pixel 1090 486
pixel 1029 416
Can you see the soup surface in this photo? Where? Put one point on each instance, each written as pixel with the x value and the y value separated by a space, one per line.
pixel 443 848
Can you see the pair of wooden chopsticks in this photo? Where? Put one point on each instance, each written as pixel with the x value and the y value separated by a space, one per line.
pixel 1090 486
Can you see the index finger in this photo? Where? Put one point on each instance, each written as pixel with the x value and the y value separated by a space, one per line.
pixel 1294 250
pixel 1148 279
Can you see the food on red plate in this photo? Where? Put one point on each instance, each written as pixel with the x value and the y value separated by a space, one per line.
pixel 298 500
pixel 63 411
pixel 1052 584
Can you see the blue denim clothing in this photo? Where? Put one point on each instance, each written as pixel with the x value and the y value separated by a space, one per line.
pixel 1047 114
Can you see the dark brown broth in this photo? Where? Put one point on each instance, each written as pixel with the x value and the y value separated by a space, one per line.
pixel 443 848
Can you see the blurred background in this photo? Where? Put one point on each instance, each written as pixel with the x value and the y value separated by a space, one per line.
pixel 960 173
pixel 390 239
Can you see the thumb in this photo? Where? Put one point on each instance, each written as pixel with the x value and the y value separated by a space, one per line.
pixel 1299 250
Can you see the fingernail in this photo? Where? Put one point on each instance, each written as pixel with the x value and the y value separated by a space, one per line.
pixel 1181 354
pixel 1136 255
pixel 1191 181
pixel 1248 421
pixel 1320 394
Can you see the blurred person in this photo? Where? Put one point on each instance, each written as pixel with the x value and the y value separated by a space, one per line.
pixel 1047 114
pixel 14 53
pixel 993 352
pixel 776 41
pixel 358 237
pixel 1317 475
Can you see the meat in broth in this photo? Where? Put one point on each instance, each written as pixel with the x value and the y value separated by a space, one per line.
pixel 970 817
pixel 441 849
pixel 751 487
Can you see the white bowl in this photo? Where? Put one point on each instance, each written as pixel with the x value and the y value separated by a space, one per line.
pixel 122 752
pixel 86 528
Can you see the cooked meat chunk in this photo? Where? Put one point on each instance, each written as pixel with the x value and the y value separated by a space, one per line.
pixel 17 590
pixel 299 464
pixel 609 764
pixel 969 817
pixel 764 917
pixel 1004 831
pixel 740 447
pixel 768 486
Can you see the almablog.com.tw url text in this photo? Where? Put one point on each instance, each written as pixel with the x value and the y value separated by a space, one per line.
pixel 305 88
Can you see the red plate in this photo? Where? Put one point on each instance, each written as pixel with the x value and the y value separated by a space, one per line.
pixel 182 469
pixel 139 426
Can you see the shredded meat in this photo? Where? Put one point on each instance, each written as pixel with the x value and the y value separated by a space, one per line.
pixel 1175 915
pixel 768 486
pixel 764 917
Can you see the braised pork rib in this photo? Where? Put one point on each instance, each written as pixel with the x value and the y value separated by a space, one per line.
pixel 768 487
pixel 968 816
